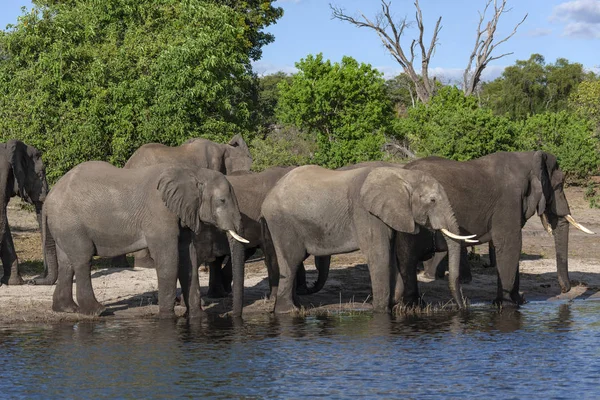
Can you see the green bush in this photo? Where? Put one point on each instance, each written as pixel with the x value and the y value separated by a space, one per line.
pixel 285 147
pixel 569 137
pixel 454 126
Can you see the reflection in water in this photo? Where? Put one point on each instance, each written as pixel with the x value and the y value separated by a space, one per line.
pixel 543 350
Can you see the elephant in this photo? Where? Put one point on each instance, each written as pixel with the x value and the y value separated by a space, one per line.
pixel 323 212
pixel 492 197
pixel 99 209
pixel 251 190
pixel 23 174
pixel 194 153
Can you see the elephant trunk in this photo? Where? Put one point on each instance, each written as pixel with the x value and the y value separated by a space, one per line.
pixel 4 197
pixel 50 258
pixel 322 263
pixel 237 265
pixel 560 226
pixel 454 248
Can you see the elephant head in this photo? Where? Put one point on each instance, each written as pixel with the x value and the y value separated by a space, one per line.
pixel 237 156
pixel 406 200
pixel 29 172
pixel 545 195
pixel 205 196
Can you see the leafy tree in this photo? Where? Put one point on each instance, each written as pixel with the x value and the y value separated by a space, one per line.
pixel 84 79
pixel 452 125
pixel 532 87
pixel 344 104
pixel 585 100
pixel 268 97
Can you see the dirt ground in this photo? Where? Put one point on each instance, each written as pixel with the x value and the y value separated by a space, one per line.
pixel 132 293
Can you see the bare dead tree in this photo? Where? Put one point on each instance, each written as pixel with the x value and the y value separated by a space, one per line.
pixel 484 45
pixel 391 33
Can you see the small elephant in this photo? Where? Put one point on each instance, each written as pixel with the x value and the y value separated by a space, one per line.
pixel 250 190
pixel 492 197
pixel 98 209
pixel 323 212
pixel 23 174
pixel 194 153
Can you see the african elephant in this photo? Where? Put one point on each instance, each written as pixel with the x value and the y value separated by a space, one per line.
pixel 23 174
pixel 251 190
pixel 98 209
pixel 492 197
pixel 194 153
pixel 201 153
pixel 323 212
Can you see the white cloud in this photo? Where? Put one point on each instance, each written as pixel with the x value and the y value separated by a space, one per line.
pixel 582 18
pixel 537 32
pixel 265 68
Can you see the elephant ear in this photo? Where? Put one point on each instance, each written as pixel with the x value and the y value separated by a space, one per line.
pixel 181 192
pixel 238 141
pixel 17 154
pixel 540 184
pixel 387 196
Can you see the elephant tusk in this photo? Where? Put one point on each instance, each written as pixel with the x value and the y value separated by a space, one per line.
pixel 471 241
pixel 237 237
pixel 455 236
pixel 578 225
pixel 546 224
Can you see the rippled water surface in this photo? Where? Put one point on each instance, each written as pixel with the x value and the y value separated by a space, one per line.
pixel 544 350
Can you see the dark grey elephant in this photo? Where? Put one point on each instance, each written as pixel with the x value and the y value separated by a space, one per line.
pixel 322 212
pixel 22 173
pixel 98 209
pixel 194 153
pixel 492 197
pixel 250 190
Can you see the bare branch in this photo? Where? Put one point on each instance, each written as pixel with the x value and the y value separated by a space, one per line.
pixel 485 45
pixel 391 33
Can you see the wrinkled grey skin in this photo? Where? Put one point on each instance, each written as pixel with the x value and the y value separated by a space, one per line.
pixel 322 212
pixel 251 190
pixel 98 209
pixel 194 153
pixel 493 197
pixel 23 174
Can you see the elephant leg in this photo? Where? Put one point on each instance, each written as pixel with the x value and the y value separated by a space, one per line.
pixel 10 261
pixel 464 267
pixel 166 257
pixel 227 272
pixel 288 259
pixel 119 262
pixel 301 286
pixel 142 259
pixel 507 250
pixel 407 259
pixel 377 247
pixel 62 299
pixel 188 275
pixel 270 260
pixel 215 278
pixel 81 261
pixel 433 268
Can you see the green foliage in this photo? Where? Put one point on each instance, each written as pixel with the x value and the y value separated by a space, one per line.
pixel 454 126
pixel 569 137
pixel 84 79
pixel 285 147
pixel 585 100
pixel 268 97
pixel 344 104
pixel 531 87
pixel 592 194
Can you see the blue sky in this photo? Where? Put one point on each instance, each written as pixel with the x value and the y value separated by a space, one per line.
pixel 553 28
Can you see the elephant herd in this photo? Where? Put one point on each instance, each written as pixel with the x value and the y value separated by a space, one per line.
pixel 178 207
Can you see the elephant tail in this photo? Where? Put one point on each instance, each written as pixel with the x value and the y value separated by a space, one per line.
pixel 50 259
pixel 322 263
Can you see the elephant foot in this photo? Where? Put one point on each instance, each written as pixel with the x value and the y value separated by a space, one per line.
pixel 12 280
pixel 65 306
pixel 284 307
pixel 194 314
pixel 93 309
pixel 166 314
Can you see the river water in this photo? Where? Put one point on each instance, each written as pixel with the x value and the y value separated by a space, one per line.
pixel 545 350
